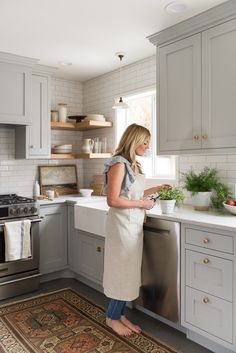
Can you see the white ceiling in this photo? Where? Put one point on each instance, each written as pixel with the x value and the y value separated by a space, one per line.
pixel 87 33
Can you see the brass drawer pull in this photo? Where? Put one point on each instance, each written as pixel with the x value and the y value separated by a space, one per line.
pixel 205 300
pixel 206 261
pixel 204 136
pixel 205 240
pixel 196 137
pixel 99 249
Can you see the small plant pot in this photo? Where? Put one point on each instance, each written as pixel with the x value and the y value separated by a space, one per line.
pixel 201 201
pixel 167 206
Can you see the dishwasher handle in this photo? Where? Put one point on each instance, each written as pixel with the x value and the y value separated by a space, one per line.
pixel 156 230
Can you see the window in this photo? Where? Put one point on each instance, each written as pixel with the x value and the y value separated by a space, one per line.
pixel 142 111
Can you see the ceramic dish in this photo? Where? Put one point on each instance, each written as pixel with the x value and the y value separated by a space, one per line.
pixel 231 209
pixel 95 117
pixel 86 192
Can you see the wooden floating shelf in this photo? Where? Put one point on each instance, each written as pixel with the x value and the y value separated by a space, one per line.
pixel 84 125
pixel 80 155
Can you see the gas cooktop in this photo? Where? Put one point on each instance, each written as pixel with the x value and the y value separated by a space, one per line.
pixel 13 199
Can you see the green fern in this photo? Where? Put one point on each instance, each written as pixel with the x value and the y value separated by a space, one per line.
pixel 206 180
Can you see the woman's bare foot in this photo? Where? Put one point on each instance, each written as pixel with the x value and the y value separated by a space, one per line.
pixel 118 327
pixel 127 323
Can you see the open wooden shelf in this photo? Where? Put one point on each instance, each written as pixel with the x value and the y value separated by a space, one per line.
pixel 84 125
pixel 80 155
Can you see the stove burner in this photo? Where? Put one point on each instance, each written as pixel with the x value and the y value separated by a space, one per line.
pixel 13 199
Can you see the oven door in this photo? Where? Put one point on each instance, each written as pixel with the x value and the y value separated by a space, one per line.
pixel 23 265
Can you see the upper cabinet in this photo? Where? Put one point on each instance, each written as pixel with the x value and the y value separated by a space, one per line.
pixel 34 141
pixel 15 89
pixel 196 87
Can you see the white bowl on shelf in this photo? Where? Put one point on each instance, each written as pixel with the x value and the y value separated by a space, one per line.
pixel 95 117
pixel 86 192
pixel 62 149
pixel 231 209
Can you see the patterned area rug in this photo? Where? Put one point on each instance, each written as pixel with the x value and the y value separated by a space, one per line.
pixel 65 322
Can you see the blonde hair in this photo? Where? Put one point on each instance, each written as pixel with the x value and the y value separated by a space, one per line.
pixel 133 136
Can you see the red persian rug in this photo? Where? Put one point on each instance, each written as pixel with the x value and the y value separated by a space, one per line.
pixel 65 322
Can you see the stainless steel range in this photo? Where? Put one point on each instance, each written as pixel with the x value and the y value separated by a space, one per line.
pixel 21 275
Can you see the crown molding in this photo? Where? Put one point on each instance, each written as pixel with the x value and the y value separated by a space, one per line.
pixel 17 59
pixel 207 19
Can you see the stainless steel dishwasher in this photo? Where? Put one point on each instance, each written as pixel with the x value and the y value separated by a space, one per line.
pixel 160 289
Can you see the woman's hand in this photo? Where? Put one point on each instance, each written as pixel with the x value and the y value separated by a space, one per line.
pixel 148 203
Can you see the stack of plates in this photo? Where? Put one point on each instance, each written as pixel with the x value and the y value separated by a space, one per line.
pixel 62 149
pixel 95 117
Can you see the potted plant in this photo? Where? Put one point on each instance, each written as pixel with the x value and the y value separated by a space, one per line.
pixel 201 186
pixel 169 198
pixel 220 195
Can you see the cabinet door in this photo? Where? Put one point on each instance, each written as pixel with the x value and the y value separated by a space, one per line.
pixel 15 94
pixel 90 256
pixel 53 238
pixel 179 125
pixel 39 132
pixel 219 86
pixel 33 141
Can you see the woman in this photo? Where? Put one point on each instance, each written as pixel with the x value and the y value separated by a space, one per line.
pixel 124 183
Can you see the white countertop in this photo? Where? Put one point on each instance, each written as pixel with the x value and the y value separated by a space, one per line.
pixel 221 220
pixel 73 199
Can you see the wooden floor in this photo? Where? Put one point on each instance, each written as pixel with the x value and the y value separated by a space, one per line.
pixel 150 325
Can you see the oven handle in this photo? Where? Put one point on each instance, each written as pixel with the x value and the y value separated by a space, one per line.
pixel 32 221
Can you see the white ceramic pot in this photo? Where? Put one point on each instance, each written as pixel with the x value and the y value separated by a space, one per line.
pixel 202 200
pixel 87 145
pixel 167 206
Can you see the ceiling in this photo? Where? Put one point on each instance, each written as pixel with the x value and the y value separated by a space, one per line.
pixel 87 33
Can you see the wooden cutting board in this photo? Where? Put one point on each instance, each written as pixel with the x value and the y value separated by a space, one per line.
pixel 60 178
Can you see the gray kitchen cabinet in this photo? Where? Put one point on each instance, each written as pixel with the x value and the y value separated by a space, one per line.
pixel 208 283
pixel 196 83
pixel 53 238
pixel 34 141
pixel 73 243
pixel 85 251
pixel 90 256
pixel 15 89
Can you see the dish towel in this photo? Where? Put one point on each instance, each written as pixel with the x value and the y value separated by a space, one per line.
pixel 17 240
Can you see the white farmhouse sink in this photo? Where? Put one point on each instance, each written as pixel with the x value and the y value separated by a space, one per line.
pixel 91 217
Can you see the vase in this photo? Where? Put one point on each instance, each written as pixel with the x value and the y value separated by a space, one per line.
pixel 167 206
pixel 87 146
pixel 202 200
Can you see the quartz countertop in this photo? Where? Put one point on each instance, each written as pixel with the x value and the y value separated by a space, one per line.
pixel 73 199
pixel 185 213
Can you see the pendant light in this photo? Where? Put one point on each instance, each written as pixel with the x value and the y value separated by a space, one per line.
pixel 120 104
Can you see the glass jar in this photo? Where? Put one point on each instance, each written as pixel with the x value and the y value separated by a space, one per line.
pixel 62 112
pixel 54 115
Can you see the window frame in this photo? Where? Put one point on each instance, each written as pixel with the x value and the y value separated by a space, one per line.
pixel 122 114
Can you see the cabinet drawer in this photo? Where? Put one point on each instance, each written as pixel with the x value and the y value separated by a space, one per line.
pixel 210 240
pixel 210 314
pixel 210 274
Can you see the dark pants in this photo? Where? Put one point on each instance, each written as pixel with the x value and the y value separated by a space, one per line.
pixel 115 309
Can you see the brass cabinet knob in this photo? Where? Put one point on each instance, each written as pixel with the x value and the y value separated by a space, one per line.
pixel 99 249
pixel 206 261
pixel 196 137
pixel 205 240
pixel 205 300
pixel 204 136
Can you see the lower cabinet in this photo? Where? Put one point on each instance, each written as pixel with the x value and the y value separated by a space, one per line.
pixel 85 251
pixel 208 284
pixel 53 238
